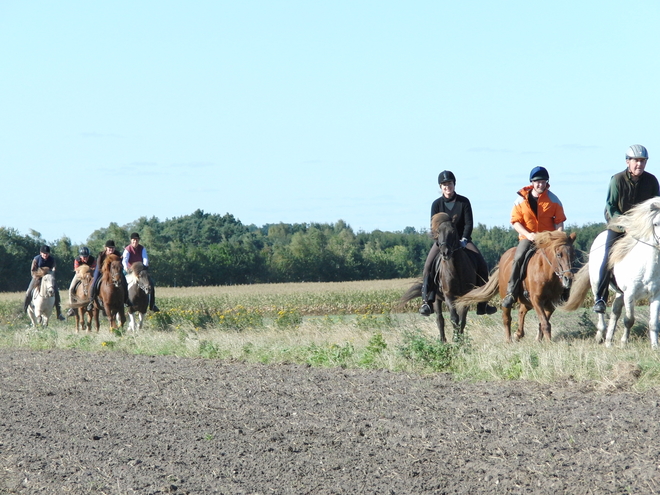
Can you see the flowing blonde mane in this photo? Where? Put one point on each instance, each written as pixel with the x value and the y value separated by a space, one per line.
pixel 638 226
pixel 551 239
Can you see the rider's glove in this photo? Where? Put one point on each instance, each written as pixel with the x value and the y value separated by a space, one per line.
pixel 464 242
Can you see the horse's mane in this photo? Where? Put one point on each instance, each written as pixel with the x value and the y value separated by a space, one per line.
pixel 638 225
pixel 109 260
pixel 551 239
pixel 437 220
pixel 83 270
pixel 44 270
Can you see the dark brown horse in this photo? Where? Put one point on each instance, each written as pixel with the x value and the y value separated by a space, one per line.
pixel 111 292
pixel 455 275
pixel 81 294
pixel 139 292
pixel 549 274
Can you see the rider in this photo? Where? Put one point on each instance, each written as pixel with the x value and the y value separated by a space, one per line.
pixel 133 253
pixel 108 250
pixel 84 258
pixel 454 205
pixel 627 189
pixel 43 260
pixel 535 210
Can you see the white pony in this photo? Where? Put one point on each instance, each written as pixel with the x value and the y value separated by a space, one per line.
pixel 43 300
pixel 635 264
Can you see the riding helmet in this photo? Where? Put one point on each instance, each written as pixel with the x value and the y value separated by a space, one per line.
pixel 110 243
pixel 135 235
pixel 637 151
pixel 84 251
pixel 539 173
pixel 446 176
pixel 45 249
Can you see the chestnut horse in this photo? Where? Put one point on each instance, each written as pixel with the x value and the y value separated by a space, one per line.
pixel 81 295
pixel 139 292
pixel 549 274
pixel 455 275
pixel 111 292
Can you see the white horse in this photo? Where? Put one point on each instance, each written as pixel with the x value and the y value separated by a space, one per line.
pixel 43 300
pixel 635 264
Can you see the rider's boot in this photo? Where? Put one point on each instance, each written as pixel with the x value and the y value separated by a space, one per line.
pixel 483 308
pixel 426 309
pixel 58 310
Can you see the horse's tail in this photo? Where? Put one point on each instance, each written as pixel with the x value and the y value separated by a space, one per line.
pixel 414 291
pixel 579 288
pixel 480 294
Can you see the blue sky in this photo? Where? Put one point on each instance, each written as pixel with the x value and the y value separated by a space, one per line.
pixel 294 111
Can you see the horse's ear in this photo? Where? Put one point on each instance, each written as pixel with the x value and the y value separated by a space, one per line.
pixel 572 237
pixel 654 206
pixel 454 219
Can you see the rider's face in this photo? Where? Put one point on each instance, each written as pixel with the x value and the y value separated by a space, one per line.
pixel 135 242
pixel 539 186
pixel 636 166
pixel 109 250
pixel 447 189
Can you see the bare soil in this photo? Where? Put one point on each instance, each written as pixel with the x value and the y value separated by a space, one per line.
pixel 74 422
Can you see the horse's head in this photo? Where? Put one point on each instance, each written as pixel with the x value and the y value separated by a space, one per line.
pixel 557 247
pixel 141 276
pixel 444 232
pixel 112 269
pixel 47 288
pixel 655 220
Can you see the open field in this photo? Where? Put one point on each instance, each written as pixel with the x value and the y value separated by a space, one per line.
pixel 256 390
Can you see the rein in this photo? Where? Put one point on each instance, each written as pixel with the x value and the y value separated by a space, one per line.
pixel 559 273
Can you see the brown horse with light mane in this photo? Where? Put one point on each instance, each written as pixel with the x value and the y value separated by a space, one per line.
pixel 549 274
pixel 111 292
pixel 81 294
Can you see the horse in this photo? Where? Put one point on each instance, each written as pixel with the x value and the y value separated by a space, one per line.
pixel 549 274
pixel 43 299
pixel 635 263
pixel 83 316
pixel 454 273
pixel 139 292
pixel 111 292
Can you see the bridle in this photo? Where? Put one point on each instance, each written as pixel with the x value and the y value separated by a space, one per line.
pixel 558 271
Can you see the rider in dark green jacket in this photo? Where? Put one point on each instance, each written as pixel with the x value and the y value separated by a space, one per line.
pixel 628 188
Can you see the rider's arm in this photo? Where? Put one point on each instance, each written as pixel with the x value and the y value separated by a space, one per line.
pixel 612 202
pixel 124 259
pixel 559 226
pixel 145 257
pixel 522 230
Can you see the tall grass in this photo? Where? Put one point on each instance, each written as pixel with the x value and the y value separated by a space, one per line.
pixel 350 325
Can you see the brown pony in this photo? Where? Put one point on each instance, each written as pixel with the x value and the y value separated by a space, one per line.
pixel 81 294
pixel 455 275
pixel 111 292
pixel 549 274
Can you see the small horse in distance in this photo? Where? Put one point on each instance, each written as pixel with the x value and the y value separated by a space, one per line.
pixel 81 295
pixel 43 299
pixel 635 263
pixel 111 293
pixel 549 274
pixel 455 275
pixel 139 292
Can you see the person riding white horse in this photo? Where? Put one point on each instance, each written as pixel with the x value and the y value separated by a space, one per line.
pixel 133 253
pixel 43 260
pixel 628 188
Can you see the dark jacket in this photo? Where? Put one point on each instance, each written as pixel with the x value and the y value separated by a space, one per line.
pixel 623 193
pixel 462 210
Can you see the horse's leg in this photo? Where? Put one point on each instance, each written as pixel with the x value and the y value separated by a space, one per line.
pixel 545 330
pixel 629 317
pixel 131 321
pixel 141 320
pixel 455 322
pixel 506 321
pixel 617 306
pixel 522 312
pixel 440 321
pixel 602 329
pixel 654 311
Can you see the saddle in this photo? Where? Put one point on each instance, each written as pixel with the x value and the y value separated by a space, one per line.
pixel 523 269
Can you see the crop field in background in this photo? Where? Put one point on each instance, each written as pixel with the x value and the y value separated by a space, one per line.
pixel 349 325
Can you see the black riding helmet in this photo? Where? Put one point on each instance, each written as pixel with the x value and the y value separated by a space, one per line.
pixel 446 176
pixel 84 251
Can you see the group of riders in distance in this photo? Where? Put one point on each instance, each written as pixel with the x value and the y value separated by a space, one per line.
pixel 535 210
pixel 134 253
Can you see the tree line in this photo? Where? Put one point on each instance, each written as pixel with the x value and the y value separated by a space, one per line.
pixel 210 249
